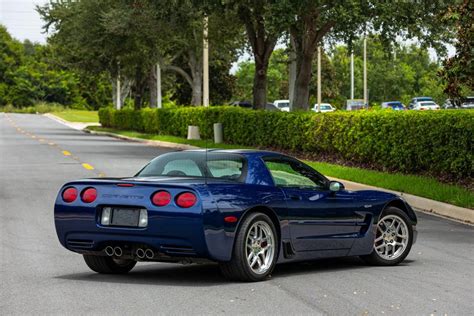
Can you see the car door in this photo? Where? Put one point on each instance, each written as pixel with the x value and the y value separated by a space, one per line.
pixel 318 218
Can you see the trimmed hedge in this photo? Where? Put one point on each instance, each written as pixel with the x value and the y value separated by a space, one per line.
pixel 440 142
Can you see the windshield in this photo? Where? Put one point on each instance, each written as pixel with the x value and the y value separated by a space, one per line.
pixel 395 104
pixel 427 103
pixel 283 104
pixel 196 164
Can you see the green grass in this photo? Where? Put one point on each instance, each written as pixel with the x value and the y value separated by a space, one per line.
pixel 78 116
pixel 412 184
pixel 166 138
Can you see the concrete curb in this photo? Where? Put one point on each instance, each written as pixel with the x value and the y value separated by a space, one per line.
pixel 74 125
pixel 157 143
pixel 450 211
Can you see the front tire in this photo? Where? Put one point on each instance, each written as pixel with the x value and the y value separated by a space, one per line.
pixel 255 250
pixel 393 239
pixel 109 265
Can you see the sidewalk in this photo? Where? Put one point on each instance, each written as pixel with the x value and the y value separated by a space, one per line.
pixel 420 203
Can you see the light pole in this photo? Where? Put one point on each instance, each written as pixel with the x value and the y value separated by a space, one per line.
pixel 319 78
pixel 352 75
pixel 366 99
pixel 205 64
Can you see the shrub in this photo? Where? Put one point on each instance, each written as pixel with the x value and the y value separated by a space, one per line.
pixel 440 142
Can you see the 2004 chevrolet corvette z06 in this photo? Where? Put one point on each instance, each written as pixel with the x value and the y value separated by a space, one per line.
pixel 244 209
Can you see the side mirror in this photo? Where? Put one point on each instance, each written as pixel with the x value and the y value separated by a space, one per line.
pixel 335 186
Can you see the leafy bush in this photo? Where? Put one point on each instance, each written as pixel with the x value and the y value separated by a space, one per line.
pixel 440 142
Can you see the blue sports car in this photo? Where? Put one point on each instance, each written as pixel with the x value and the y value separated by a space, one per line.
pixel 244 209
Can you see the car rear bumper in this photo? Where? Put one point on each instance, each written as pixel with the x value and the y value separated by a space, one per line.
pixel 175 235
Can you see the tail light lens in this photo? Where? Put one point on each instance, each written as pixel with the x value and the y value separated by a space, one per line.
pixel 69 195
pixel 186 199
pixel 161 198
pixel 89 195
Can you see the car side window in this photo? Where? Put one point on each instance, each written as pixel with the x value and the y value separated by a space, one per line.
pixel 287 173
pixel 182 167
pixel 225 168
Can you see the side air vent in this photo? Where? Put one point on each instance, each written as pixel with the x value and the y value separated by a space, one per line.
pixel 80 243
pixel 178 250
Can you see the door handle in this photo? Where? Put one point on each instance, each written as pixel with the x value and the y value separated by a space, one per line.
pixel 295 197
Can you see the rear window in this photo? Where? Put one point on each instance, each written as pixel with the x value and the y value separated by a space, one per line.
pixel 197 164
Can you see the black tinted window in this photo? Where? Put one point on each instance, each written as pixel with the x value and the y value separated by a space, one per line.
pixel 292 173
pixel 197 164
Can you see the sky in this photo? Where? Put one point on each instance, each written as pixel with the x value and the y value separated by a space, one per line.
pixel 23 22
pixel 21 19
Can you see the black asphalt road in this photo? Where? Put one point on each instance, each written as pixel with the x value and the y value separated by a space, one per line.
pixel 38 276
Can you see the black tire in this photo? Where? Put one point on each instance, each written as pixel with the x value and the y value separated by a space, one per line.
pixel 238 269
pixel 374 258
pixel 109 265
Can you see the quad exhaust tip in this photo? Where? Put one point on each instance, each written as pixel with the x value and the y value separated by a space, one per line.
pixel 149 254
pixel 109 251
pixel 118 251
pixel 140 253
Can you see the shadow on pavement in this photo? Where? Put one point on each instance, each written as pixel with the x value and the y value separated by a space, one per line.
pixel 204 275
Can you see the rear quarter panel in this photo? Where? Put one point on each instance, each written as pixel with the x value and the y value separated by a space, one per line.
pixel 237 200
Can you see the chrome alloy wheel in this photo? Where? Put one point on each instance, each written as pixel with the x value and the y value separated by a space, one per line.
pixel 391 238
pixel 260 247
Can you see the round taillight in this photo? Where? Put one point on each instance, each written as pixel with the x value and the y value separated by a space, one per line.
pixel 89 195
pixel 186 199
pixel 70 195
pixel 161 198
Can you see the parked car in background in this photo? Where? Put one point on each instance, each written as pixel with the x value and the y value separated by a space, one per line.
pixel 413 101
pixel 271 107
pixel 242 104
pixel 355 104
pixel 282 105
pixel 394 105
pixel 466 103
pixel 324 107
pixel 426 105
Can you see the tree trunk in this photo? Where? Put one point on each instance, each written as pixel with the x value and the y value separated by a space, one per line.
pixel 260 85
pixel 125 85
pixel 153 88
pixel 303 80
pixel 139 88
pixel 262 41
pixel 195 64
pixel 306 37
pixel 197 89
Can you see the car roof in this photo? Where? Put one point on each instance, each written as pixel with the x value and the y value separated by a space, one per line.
pixel 245 152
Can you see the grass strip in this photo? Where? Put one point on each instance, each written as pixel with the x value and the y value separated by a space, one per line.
pixel 78 116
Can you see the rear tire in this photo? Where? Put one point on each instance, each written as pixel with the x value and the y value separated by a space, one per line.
pixel 255 250
pixel 109 265
pixel 393 238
